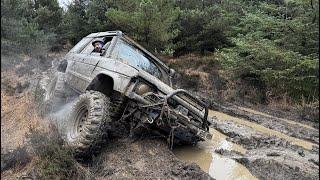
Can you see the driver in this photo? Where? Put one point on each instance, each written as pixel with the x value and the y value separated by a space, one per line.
pixel 98 44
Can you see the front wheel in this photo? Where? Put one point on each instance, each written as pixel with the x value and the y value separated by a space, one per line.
pixel 88 123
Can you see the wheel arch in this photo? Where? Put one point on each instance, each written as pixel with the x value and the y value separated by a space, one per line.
pixel 107 81
pixel 103 83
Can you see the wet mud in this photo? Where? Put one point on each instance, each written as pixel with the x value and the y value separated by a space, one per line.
pixel 292 128
pixel 253 136
pixel 244 149
pixel 218 166
pixel 143 159
pixel 278 163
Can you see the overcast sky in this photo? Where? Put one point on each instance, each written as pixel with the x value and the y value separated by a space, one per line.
pixel 64 3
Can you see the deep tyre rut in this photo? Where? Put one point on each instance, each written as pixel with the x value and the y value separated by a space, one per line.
pixel 88 124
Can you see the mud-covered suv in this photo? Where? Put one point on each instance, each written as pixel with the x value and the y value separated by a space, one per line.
pixel 124 82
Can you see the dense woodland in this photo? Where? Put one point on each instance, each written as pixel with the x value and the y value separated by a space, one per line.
pixel 271 45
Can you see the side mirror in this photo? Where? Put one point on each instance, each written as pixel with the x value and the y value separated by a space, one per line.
pixel 103 51
pixel 172 72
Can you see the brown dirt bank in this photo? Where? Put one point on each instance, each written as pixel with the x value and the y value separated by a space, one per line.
pixel 143 159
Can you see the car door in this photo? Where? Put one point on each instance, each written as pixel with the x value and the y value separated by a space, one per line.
pixel 75 67
pixel 89 62
pixel 84 65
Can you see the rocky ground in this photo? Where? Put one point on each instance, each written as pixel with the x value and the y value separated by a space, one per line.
pixel 277 146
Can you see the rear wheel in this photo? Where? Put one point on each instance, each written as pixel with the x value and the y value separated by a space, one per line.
pixel 55 96
pixel 88 123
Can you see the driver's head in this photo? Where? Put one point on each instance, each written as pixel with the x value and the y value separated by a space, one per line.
pixel 98 44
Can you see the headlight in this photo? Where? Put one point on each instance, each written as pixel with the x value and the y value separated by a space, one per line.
pixel 142 88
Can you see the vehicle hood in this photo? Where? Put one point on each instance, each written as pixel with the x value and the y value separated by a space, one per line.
pixel 163 87
pixel 130 70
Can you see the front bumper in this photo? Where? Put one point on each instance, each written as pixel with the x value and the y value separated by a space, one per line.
pixel 160 111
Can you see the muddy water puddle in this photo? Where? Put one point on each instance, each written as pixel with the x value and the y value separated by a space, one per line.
pixel 215 165
pixel 270 116
pixel 224 117
pixel 221 167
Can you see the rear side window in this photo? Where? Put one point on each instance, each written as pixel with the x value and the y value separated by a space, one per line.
pixel 88 49
pixel 80 45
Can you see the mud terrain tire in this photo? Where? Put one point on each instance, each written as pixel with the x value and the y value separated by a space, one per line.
pixel 54 95
pixel 117 107
pixel 88 124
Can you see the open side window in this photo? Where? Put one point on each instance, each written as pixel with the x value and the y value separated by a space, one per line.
pixel 89 49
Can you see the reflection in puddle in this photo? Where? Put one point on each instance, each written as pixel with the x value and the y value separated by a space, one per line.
pixel 219 142
pixel 225 168
pixel 270 116
pixel 194 154
pixel 224 117
pixel 217 166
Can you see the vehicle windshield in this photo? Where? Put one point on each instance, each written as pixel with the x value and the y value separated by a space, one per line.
pixel 133 56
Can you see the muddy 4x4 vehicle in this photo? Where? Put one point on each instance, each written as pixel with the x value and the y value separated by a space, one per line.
pixel 124 82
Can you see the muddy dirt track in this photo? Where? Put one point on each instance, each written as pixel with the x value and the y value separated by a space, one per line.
pixel 246 144
pixel 242 148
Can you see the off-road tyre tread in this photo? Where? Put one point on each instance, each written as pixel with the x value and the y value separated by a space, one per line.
pixel 94 134
pixel 117 106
